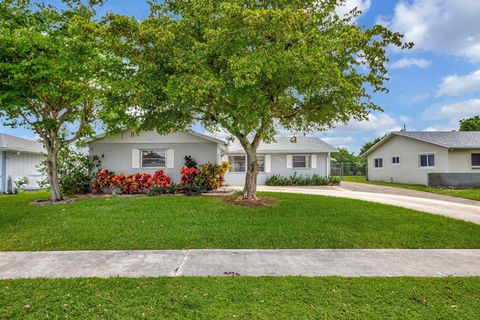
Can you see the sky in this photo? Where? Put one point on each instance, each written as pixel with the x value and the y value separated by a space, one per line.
pixel 431 87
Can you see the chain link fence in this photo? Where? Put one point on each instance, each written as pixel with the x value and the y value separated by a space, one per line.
pixel 341 169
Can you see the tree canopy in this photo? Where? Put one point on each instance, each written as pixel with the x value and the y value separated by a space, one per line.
pixel 247 66
pixel 470 124
pixel 369 144
pixel 50 67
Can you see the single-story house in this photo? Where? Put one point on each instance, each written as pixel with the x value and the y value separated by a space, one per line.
pixel 448 159
pixel 148 151
pixel 20 158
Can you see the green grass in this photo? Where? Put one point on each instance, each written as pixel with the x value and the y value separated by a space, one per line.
pixel 241 298
pixel 176 222
pixel 472 194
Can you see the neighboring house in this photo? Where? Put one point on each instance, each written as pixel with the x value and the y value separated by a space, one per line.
pixel 448 159
pixel 19 158
pixel 149 151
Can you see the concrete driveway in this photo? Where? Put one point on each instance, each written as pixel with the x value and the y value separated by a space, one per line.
pixel 462 209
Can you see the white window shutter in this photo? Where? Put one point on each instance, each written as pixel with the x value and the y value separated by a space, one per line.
pixel 289 161
pixel 268 163
pixel 224 158
pixel 314 161
pixel 135 158
pixel 170 154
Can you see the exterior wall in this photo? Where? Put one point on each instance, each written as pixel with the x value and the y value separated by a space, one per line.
pixel 22 164
pixel 279 167
pixel 460 161
pixel 409 170
pixel 454 180
pixel 118 157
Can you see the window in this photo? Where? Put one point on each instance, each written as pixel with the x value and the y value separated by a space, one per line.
pixel 153 158
pixel 378 162
pixel 476 160
pixel 301 161
pixel 237 163
pixel 396 160
pixel 427 160
pixel 261 163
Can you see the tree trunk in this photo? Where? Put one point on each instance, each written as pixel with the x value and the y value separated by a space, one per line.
pixel 52 169
pixel 250 189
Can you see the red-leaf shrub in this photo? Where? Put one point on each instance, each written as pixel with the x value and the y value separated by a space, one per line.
pixel 160 179
pixel 187 181
pixel 103 180
pixel 133 184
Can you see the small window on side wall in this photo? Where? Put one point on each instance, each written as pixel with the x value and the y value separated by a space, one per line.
pixel 153 158
pixel 300 162
pixel 476 160
pixel 427 160
pixel 378 162
pixel 396 160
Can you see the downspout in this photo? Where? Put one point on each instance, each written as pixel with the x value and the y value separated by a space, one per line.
pixel 4 171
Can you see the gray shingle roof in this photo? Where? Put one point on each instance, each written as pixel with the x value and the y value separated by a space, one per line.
pixel 284 144
pixel 447 139
pixel 8 142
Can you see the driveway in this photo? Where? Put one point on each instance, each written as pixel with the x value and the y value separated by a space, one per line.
pixel 462 209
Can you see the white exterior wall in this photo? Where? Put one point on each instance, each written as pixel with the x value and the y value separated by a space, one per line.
pixel 22 164
pixel 460 161
pixel 278 166
pixel 409 170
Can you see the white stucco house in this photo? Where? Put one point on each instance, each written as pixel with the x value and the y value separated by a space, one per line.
pixel 447 159
pixel 148 151
pixel 19 158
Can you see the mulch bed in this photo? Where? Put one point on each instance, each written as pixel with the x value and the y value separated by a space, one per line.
pixel 252 203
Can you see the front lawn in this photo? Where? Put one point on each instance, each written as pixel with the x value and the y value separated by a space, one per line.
pixel 472 194
pixel 241 298
pixel 177 222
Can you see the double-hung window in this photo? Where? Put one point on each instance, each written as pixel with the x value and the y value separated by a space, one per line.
pixel 378 162
pixel 396 160
pixel 427 160
pixel 301 161
pixel 237 163
pixel 476 160
pixel 153 158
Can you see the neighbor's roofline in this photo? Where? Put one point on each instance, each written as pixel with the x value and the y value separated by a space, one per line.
pixel 292 151
pixel 397 133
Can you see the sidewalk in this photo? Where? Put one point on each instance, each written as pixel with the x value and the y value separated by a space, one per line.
pixel 289 262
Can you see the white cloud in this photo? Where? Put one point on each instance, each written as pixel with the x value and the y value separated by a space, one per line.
pixel 456 85
pixel 453 112
pixel 411 62
pixel 448 26
pixel 421 96
pixel 339 141
pixel 441 128
pixel 362 5
pixel 378 124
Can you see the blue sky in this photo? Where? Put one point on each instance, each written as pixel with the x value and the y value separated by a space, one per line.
pixel 432 86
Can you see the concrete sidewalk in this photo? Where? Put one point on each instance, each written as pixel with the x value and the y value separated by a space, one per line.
pixel 308 262
pixel 456 210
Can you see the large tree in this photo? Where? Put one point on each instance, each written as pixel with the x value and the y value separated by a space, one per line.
pixel 470 124
pixel 249 67
pixel 50 65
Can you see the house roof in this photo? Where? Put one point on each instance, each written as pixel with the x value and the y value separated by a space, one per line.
pixel 12 143
pixel 285 144
pixel 446 139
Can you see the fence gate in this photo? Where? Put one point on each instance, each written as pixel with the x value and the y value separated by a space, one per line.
pixel 341 169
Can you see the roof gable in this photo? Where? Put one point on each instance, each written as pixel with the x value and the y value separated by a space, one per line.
pixel 8 142
pixel 129 136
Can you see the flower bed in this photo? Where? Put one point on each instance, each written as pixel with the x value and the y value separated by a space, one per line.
pixel 205 178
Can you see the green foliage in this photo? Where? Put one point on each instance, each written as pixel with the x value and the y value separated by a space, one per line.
pixel 51 71
pixel 76 171
pixel 190 162
pixel 343 155
pixel 300 180
pixel 21 183
pixel 159 190
pixel 370 144
pixel 470 124
pixel 246 66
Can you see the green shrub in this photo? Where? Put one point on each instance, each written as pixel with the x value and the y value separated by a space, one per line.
pixel 159 190
pixel 300 180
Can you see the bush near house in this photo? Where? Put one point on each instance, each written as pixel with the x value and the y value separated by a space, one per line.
pixel 299 180
pixel 206 178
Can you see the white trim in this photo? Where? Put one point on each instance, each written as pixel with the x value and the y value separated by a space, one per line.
pixel 391 160
pixel 268 163
pixel 426 154
pixel 377 168
pixel 136 158
pixel 289 161
pixel 308 162
pixel 471 164
pixel 313 161
pixel 170 158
